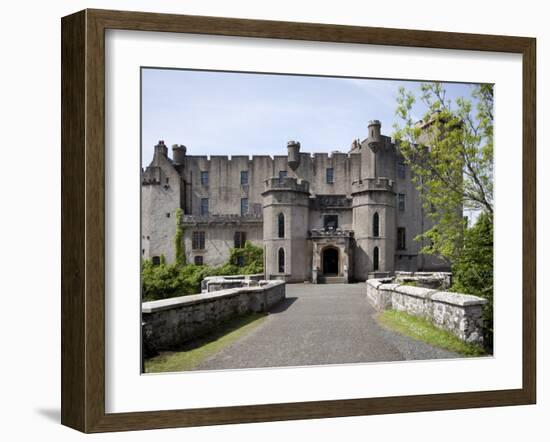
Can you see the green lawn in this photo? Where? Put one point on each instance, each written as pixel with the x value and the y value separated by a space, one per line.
pixel 423 330
pixel 194 353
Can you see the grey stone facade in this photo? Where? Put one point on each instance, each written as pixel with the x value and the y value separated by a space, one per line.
pixel 319 217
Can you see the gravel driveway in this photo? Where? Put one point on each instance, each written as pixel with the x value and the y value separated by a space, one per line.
pixel 317 325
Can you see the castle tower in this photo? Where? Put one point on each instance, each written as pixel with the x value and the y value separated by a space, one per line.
pixel 286 220
pixel 374 206
pixel 161 196
pixel 374 226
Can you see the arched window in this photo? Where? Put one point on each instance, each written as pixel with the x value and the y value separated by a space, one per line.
pixel 375 259
pixel 281 260
pixel 281 225
pixel 375 225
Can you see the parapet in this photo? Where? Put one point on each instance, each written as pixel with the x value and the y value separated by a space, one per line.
pixel 151 175
pixel 287 183
pixel 222 219
pixel 372 184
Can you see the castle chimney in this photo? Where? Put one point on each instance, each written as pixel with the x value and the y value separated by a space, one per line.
pixel 161 149
pixel 178 153
pixel 293 154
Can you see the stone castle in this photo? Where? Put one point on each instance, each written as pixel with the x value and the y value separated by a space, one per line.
pixel 322 218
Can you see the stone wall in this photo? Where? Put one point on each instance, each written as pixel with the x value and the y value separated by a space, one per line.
pixel 215 283
pixel 458 313
pixel 428 280
pixel 169 323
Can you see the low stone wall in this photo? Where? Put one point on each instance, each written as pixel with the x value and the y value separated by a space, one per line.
pixel 458 313
pixel 215 283
pixel 168 323
pixel 429 280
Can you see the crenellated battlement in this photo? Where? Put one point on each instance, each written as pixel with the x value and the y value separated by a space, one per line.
pixel 287 183
pixel 328 233
pixel 151 175
pixel 372 184
pixel 225 219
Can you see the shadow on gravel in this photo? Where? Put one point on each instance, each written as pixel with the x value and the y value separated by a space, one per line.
pixel 220 331
pixel 283 305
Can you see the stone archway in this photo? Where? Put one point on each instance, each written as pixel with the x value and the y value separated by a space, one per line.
pixel 330 261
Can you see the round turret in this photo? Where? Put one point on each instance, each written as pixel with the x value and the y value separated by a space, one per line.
pixel 293 154
pixel 375 136
pixel 178 153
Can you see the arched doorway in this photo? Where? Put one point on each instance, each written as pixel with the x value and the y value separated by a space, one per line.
pixel 330 259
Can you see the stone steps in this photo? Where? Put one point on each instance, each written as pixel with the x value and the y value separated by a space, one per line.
pixel 331 280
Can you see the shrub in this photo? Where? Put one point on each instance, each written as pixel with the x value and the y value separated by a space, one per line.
pixel 473 270
pixel 162 281
pixel 252 257
pixel 169 280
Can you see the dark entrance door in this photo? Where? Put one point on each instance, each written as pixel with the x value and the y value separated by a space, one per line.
pixel 330 261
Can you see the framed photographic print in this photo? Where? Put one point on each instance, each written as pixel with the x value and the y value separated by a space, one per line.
pixel 269 220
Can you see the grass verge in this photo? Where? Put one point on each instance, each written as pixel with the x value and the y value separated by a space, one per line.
pixel 193 353
pixel 423 330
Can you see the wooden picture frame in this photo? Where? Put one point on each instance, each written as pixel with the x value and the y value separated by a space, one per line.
pixel 83 220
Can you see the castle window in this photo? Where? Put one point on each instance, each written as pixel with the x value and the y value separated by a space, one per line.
pixel 330 222
pixel 281 260
pixel 375 259
pixel 155 260
pixel 198 240
pixel 401 238
pixel 401 201
pixel 244 206
pixel 199 260
pixel 167 214
pixel 376 225
pixel 204 178
pixel 401 169
pixel 240 239
pixel 240 261
pixel 204 206
pixel 282 174
pixel 330 175
pixel 281 225
pixel 244 177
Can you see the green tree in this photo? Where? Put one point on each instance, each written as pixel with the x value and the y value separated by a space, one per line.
pixel 473 270
pixel 450 153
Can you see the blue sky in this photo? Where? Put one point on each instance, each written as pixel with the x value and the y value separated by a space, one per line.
pixel 224 113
